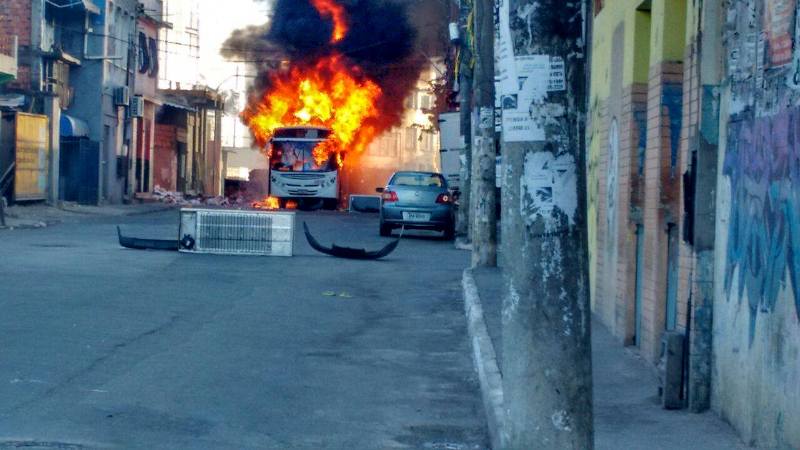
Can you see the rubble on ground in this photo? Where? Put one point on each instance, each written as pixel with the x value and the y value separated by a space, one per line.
pixel 179 199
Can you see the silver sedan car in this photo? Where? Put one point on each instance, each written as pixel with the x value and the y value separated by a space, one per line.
pixel 419 200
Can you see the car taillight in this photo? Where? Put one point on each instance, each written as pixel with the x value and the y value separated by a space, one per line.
pixel 444 198
pixel 389 196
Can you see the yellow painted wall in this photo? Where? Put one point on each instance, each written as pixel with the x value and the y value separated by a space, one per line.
pixel 668 36
pixel 637 26
pixel 653 35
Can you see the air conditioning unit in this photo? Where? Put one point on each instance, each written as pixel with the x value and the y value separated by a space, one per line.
pixel 455 33
pixel 122 96
pixel 237 232
pixel 137 106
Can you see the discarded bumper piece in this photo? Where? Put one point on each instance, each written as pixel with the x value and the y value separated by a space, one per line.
pixel 350 253
pixel 147 244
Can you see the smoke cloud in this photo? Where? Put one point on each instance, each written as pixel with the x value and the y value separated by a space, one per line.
pixel 382 39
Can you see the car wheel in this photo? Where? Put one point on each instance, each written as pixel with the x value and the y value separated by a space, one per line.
pixel 386 230
pixel 449 231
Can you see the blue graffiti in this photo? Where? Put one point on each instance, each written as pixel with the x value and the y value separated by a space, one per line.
pixel 763 166
pixel 672 100
pixel 640 120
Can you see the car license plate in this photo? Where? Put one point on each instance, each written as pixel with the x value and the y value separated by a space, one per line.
pixel 416 217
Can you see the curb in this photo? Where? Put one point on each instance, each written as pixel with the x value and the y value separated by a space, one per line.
pixel 152 211
pixel 485 360
pixel 462 244
pixel 15 223
pixel 134 212
pixel 26 225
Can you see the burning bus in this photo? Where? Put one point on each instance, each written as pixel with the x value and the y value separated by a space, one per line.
pixel 331 96
pixel 301 168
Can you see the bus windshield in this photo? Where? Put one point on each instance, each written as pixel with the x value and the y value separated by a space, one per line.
pixel 297 156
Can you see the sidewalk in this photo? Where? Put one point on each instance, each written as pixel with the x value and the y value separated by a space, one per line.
pixel 627 412
pixel 42 215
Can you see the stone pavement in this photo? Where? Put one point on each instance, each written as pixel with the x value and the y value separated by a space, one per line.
pixel 627 410
pixel 40 215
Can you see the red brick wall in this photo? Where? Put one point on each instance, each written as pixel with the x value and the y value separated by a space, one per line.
pixel 634 108
pixel 661 192
pixel 615 302
pixel 165 155
pixel 15 20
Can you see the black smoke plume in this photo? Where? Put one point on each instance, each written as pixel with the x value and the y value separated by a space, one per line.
pixel 381 40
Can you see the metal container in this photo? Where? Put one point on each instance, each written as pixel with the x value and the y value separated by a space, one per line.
pixel 236 232
pixel 25 142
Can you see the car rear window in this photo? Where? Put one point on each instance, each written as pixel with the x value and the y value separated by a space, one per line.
pixel 417 179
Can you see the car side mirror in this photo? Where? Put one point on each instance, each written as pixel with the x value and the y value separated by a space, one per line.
pixel 379 190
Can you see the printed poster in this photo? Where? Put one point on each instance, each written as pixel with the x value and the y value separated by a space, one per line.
pixel 778 21
pixel 533 75
pixel 505 70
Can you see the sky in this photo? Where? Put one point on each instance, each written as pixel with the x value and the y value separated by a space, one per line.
pixel 218 18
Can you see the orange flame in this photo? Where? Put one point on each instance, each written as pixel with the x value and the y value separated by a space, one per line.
pixel 267 203
pixel 329 8
pixel 329 94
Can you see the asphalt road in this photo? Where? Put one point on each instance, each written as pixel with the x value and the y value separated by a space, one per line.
pixel 107 347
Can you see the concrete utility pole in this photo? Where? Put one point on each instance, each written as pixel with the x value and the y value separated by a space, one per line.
pixel 547 370
pixel 483 201
pixel 463 229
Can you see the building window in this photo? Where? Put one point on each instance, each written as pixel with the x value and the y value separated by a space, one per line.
pixel 112 31
pixel 211 124
pixel 194 19
pixel 411 102
pixel 411 137
pixel 194 45
pixel 425 101
pixel 395 141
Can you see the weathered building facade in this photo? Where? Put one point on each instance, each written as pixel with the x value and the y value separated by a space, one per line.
pixel 76 66
pixel 53 46
pixel 188 142
pixel 693 194
pixel 145 101
pixel 757 252
pixel 412 145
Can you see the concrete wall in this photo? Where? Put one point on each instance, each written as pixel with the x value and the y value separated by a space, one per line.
pixel 757 298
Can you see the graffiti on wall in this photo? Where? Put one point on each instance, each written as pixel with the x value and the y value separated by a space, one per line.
pixel 763 166
pixel 672 102
pixel 640 121
pixel 762 160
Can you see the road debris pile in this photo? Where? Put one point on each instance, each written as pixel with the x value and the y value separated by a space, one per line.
pixel 180 199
